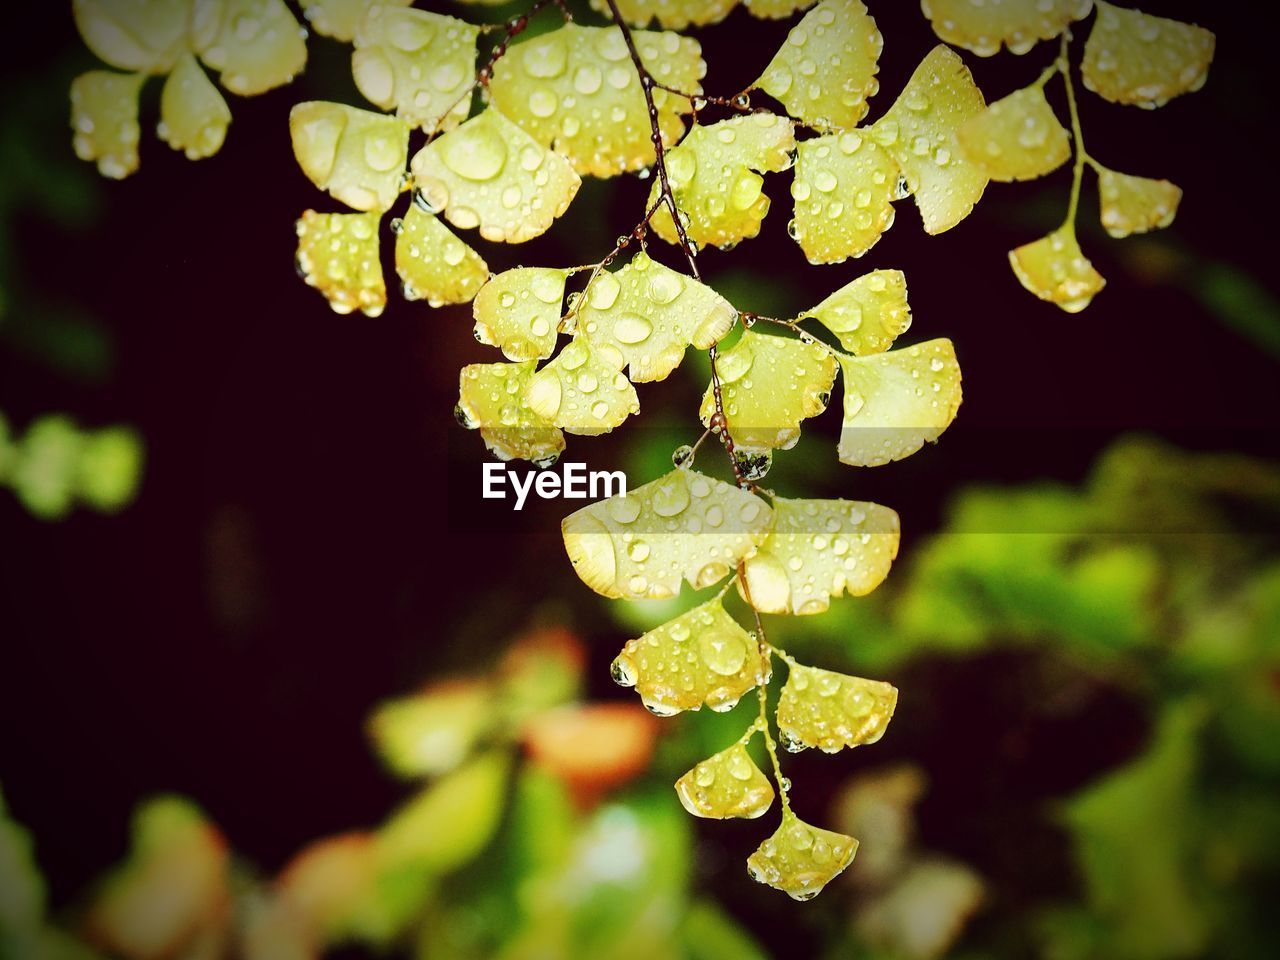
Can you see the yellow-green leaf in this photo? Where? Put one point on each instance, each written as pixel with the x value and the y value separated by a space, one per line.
pixel 919 131
pixel 488 173
pixel 701 657
pixel 257 45
pixel 582 392
pixel 193 115
pixel 575 90
pixel 672 14
pixel 844 189
pixel 768 384
pixel 819 549
pixel 727 785
pixel 645 315
pixel 800 859
pixel 491 398
pixel 420 64
pixel 143 35
pixel 1017 24
pixel 340 19
pixel 711 177
pixel 1017 137
pixel 433 264
pixel 434 731
pixel 681 526
pixel 826 70
pixel 338 255
pixel 518 311
pixel 104 118
pixel 1055 269
pixel 830 711
pixel 357 155
pixel 896 402
pixel 1136 204
pixel 775 9
pixel 1135 58
pixel 867 314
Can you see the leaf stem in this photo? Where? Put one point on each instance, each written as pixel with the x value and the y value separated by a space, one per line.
pixel 1063 66
pixel 766 653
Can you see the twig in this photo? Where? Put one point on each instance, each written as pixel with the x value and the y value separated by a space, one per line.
pixel 762 691
pixel 1082 157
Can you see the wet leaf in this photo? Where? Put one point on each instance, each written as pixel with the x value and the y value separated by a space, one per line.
pixel 800 859
pixel 491 397
pixel 1016 138
pixel 867 314
pixel 145 35
pixel 256 44
pixel 340 19
pixel 338 255
pixel 193 115
pixel 775 9
pixel 104 118
pixel 672 14
pixel 984 27
pixel 831 711
pixel 433 264
pixel 844 189
pixel 582 392
pixel 519 311
pixel 357 155
pixel 726 785
pixel 681 526
pixel 1136 204
pixel 1055 269
pixel 1135 58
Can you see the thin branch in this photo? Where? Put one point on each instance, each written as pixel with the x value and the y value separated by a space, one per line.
pixel 1082 156
pixel 762 692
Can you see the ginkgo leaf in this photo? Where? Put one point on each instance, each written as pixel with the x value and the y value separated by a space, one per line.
pixel 826 70
pixel 257 45
pixel 140 35
pixel 844 189
pixel 340 19
pixel 193 115
pixel 1055 269
pixel 800 859
pixel 1018 24
pixel 357 155
pixel 1135 58
pixel 919 132
pixel 433 264
pixel 682 525
pixel 338 255
pixel 702 656
pixel 488 173
pixel 518 311
pixel 896 402
pixel 819 549
pixel 672 14
pixel 491 398
pixel 582 391
pixel 432 732
pixel 1016 138
pixel 1136 204
pixel 830 711
pixel 645 315
pixel 727 785
pixel 421 64
pixel 768 384
pixel 104 118
pixel 575 90
pixel 775 9
pixel 711 176
pixel 867 314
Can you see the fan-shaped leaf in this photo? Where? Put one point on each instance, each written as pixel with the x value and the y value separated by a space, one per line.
pixel 702 656
pixel 826 70
pixel 800 859
pixel 896 402
pixel 682 525
pixel 434 731
pixel 193 115
pixel 433 264
pixel 255 44
pixel 356 155
pixel 768 385
pixel 519 311
pixel 1136 204
pixel 830 711
pixel 919 131
pixel 645 315
pixel 575 90
pixel 712 180
pixel 1132 57
pixel 672 14
pixel 491 397
pixel 340 19
pixel 1055 269
pixel 725 786
pixel 104 118
pixel 844 189
pixel 488 173
pixel 1018 24
pixel 1017 137
pixel 867 314
pixel 582 391
pixel 338 255
pixel 145 35
pixel 820 549
pixel 775 9
pixel 420 64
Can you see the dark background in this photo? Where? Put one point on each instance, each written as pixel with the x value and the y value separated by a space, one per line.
pixel 304 543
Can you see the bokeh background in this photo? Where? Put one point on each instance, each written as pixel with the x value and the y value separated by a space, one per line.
pixel 1084 619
